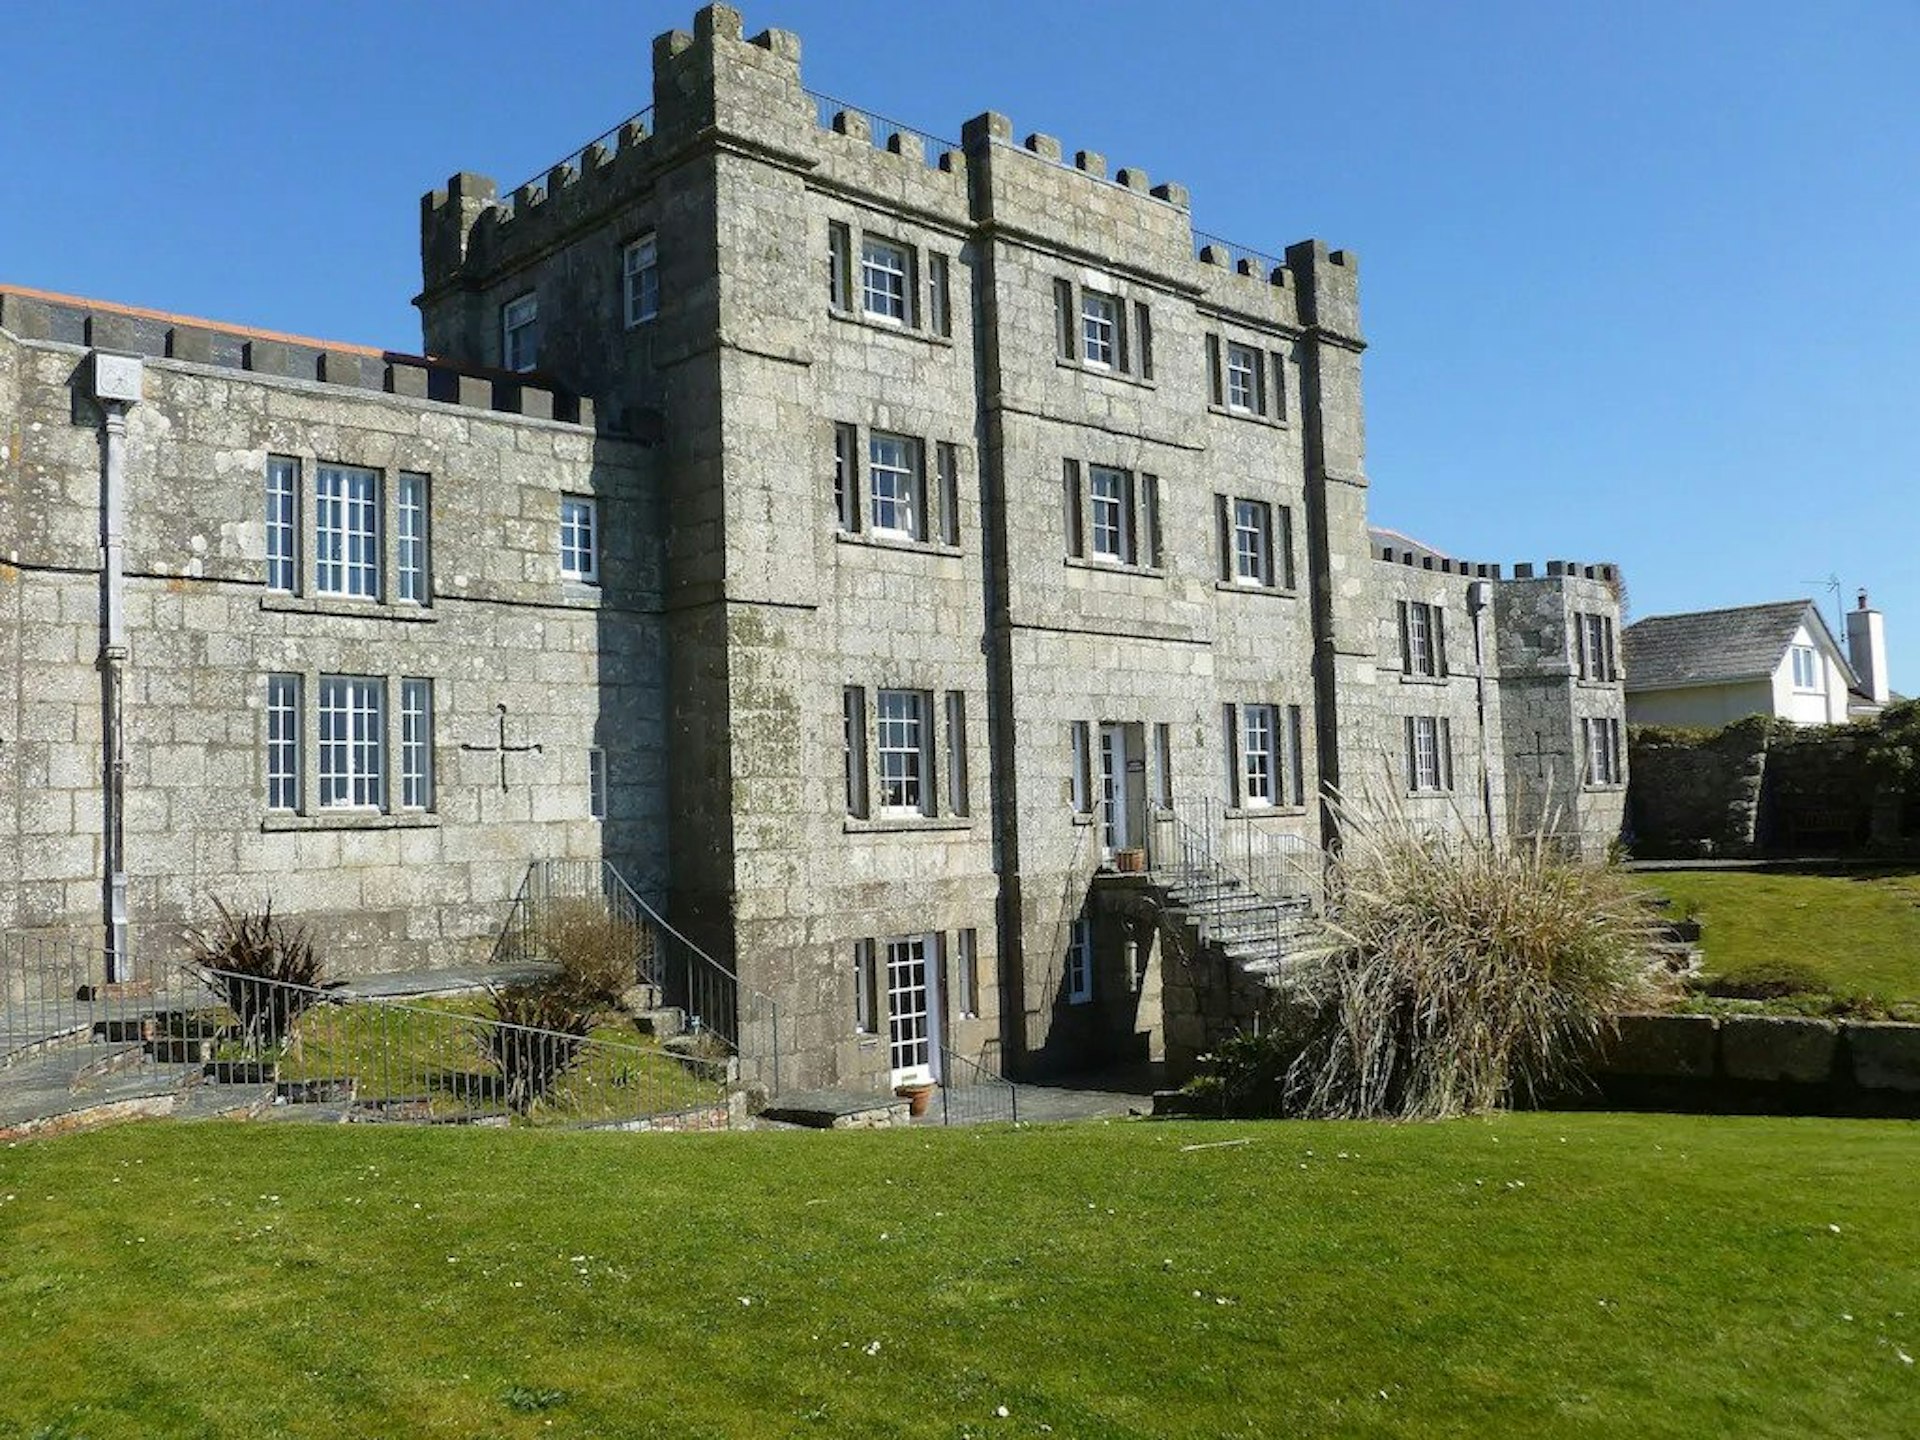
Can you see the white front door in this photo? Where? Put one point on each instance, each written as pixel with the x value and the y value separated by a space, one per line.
pixel 910 1010
pixel 1123 785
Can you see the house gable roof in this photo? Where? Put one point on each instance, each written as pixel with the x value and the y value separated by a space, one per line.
pixel 1711 647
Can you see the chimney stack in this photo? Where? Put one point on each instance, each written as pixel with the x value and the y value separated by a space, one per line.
pixel 1867 649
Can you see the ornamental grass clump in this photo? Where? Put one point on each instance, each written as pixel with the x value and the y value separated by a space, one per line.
pixel 1451 975
pixel 539 1034
pixel 261 967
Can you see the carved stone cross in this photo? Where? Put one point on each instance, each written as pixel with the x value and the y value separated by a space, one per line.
pixel 503 747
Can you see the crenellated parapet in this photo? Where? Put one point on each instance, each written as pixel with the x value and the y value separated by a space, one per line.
pixel 70 320
pixel 1421 559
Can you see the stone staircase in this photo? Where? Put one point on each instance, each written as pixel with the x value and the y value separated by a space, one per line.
pixel 1252 933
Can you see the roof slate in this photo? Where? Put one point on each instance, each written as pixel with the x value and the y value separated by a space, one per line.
pixel 1706 647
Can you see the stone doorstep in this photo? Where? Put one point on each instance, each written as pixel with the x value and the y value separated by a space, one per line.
pixel 840 1110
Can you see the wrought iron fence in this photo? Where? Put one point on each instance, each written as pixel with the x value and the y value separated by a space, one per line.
pixel 57 990
pixel 884 130
pixel 717 1010
pixel 970 1094
pixel 628 131
pixel 1206 839
pixel 442 1062
pixel 1230 254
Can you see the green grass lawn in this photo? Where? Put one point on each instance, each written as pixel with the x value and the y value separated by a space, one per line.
pixel 1861 929
pixel 1522 1276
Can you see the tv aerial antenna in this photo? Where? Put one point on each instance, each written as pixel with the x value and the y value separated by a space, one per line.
pixel 1833 587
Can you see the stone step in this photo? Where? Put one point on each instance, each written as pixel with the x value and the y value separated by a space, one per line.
pixel 662 1023
pixel 224 1102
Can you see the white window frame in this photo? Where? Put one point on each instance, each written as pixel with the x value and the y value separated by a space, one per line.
pixel 886 281
pixel 1423 639
pixel 1428 764
pixel 1253 543
pixel 283 524
pixel 416 743
pixel 283 742
pixel 346 532
pixel 910 991
pixel 640 279
pixel 1079 962
pixel 903 750
pixel 1100 329
pixel 1110 533
pixel 412 516
pixel 895 488
pixel 1807 657
pixel 580 539
pixel 1259 756
pixel 1243 379
pixel 1604 765
pixel 352 731
pixel 520 333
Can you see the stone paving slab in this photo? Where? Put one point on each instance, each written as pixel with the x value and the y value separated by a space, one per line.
pixel 453 980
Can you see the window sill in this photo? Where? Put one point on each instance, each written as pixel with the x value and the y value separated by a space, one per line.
pixel 1106 372
pixel 1082 818
pixel 1406 679
pixel 1614 789
pixel 890 327
pixel 282 821
pixel 889 542
pixel 1116 567
pixel 894 824
pixel 1429 794
pixel 1227 412
pixel 277 600
pixel 1598 684
pixel 1265 812
pixel 1241 587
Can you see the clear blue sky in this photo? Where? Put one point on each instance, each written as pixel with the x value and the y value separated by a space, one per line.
pixel 1641 280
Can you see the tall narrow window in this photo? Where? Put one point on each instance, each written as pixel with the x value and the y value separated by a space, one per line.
pixel 283 742
pixel 839 266
pixel 347 532
pixel 884 285
pixel 640 279
pixel 909 1025
pixel 1594 635
pixel 957 803
pixel 597 783
pixel 416 744
pixel 579 538
pixel 411 524
pixel 949 467
pixel 352 742
pixel 1080 787
pixel 893 478
pixel 1112 513
pixel 520 333
pixel 966 965
pixel 865 1000
pixel 901 727
pixel 1252 542
pixel 1420 639
pixel 853 719
pixel 1099 329
pixel 283 524
pixel 939 318
pixel 1259 756
pixel 1603 751
pixel 1080 962
pixel 1243 379
pixel 846 477
pixel 1429 753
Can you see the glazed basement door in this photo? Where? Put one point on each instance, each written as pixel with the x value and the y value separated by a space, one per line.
pixel 912 1014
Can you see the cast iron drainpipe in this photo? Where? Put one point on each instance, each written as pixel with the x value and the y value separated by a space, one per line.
pixel 1479 596
pixel 117 382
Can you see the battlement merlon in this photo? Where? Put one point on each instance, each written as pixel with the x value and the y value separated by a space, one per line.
pixel 1327 289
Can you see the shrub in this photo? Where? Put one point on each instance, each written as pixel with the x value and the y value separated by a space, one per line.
pixel 599 953
pixel 262 967
pixel 1769 980
pixel 1452 975
pixel 541 1033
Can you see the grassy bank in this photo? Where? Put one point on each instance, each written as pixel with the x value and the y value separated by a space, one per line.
pixel 1861 930
pixel 1529 1275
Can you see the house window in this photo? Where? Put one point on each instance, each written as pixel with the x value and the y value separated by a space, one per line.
pixel 1429 754
pixel 966 965
pixel 909 995
pixel 957 802
pixel 1099 329
pixel 352 742
pixel 1604 765
pixel 884 284
pixel 1252 542
pixel 1594 647
pixel 520 333
pixel 900 716
pixel 416 744
pixel 1423 639
pixel 347 532
pixel 640 280
pixel 580 538
pixel 1259 755
pixel 1243 379
pixel 1112 502
pixel 1079 975
pixel 597 783
pixel 283 524
pixel 893 476
pixel 283 742
pixel 853 715
pixel 411 520
pixel 1806 668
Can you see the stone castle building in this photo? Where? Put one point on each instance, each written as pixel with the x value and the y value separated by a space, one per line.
pixel 864 545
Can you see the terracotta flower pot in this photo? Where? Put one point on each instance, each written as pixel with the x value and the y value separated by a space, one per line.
pixel 918 1097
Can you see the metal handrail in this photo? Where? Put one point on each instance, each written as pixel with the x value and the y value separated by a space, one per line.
pixel 959 1076
pixel 510 200
pixel 1268 263
pixel 931 145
